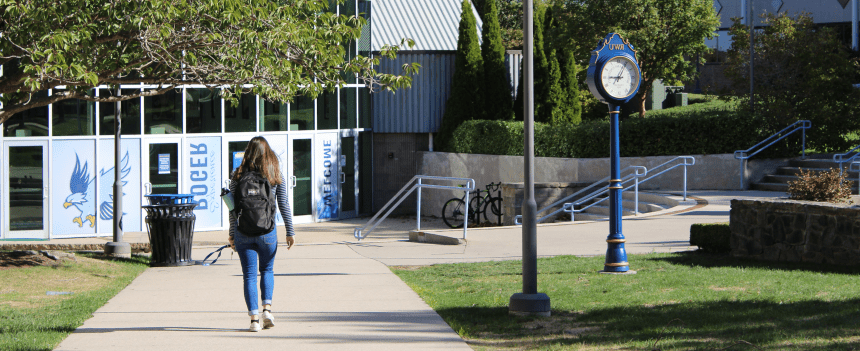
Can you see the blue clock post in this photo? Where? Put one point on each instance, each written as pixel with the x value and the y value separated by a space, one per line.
pixel 614 78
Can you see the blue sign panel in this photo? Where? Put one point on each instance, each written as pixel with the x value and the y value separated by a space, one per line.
pixel 74 182
pixel 237 160
pixel 131 186
pixel 163 163
pixel 327 185
pixel 203 179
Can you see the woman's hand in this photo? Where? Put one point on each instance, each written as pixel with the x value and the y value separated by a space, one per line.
pixel 290 242
pixel 232 244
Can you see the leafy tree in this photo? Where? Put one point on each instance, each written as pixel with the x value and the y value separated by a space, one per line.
pixel 497 94
pixel 551 105
pixel 802 71
pixel 466 101
pixel 665 33
pixel 281 49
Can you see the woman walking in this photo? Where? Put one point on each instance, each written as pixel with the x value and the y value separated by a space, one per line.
pixel 257 252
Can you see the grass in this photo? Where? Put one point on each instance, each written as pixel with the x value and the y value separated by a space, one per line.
pixel 30 319
pixel 686 301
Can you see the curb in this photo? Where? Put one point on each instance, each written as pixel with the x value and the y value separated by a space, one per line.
pixel 422 237
pixel 135 247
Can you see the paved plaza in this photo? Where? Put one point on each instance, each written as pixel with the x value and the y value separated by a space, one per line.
pixel 333 292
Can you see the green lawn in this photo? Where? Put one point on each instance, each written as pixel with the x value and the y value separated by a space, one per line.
pixel 687 301
pixel 32 319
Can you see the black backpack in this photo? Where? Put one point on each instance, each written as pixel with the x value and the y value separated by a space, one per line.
pixel 255 204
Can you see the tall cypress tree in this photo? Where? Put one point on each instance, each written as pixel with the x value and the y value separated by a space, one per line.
pixel 497 93
pixel 551 107
pixel 571 106
pixel 541 64
pixel 466 101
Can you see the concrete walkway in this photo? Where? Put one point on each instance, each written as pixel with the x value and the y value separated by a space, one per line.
pixel 333 292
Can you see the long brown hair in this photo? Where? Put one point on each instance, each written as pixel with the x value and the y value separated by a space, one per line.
pixel 260 157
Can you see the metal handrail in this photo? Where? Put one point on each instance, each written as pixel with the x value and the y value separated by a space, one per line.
pixel 840 158
pixel 400 196
pixel 801 125
pixel 687 161
pixel 636 174
pixel 851 168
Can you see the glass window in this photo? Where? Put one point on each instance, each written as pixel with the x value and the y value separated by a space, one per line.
pixel 302 114
pixel 348 9
pixel 32 122
pixel 162 114
pixel 364 39
pixel 364 117
pixel 235 153
pixel 274 116
pixel 348 108
pixel 241 117
pixel 130 113
pixel 327 110
pixel 203 110
pixel 74 117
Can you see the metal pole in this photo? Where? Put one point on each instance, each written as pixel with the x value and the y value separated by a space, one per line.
pixel 117 247
pixel 854 25
pixel 616 255
pixel 467 216
pixel 752 55
pixel 529 301
pixel 685 182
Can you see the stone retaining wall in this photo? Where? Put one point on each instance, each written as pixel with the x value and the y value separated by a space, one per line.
pixel 796 231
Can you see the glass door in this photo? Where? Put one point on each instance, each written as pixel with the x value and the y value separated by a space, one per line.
pixel 348 175
pixel 300 175
pixel 162 166
pixel 26 190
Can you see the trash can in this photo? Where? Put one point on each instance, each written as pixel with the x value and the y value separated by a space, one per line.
pixel 171 230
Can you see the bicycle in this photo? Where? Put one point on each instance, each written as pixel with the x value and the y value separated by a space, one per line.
pixel 454 209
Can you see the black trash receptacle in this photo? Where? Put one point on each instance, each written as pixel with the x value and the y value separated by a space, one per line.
pixel 171 230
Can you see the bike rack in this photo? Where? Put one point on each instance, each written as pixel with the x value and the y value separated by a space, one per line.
pixel 801 125
pixel 400 196
pixel 518 219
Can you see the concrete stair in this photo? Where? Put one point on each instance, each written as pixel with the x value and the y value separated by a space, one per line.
pixel 790 172
pixel 648 202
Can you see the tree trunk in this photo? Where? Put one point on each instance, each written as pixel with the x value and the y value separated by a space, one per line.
pixel 639 99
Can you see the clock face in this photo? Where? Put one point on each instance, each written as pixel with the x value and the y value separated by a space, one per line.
pixel 620 77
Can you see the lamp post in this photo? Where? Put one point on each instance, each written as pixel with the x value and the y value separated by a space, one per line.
pixel 529 302
pixel 117 247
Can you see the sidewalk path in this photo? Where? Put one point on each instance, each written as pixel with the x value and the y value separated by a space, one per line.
pixel 334 293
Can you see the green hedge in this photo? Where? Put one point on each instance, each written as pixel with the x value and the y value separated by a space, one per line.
pixel 715 131
pixel 711 237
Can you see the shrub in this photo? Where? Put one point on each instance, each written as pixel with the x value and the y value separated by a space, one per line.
pixel 830 186
pixel 711 237
pixel 715 133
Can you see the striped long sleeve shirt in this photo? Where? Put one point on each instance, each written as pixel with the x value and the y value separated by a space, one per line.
pixel 283 207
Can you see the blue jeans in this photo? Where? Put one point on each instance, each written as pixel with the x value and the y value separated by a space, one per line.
pixel 250 249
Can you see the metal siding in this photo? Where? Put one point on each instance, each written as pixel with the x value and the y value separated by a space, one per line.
pixel 512 63
pixel 433 24
pixel 822 11
pixel 418 109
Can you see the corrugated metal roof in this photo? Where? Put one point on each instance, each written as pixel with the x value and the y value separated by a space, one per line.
pixel 433 24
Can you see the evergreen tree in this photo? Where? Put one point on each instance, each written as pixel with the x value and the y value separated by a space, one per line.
pixel 497 92
pixel 571 106
pixel 541 64
pixel 551 107
pixel 466 101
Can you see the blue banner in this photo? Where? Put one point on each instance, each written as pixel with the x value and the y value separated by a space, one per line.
pixel 328 186
pixel 74 189
pixel 203 179
pixel 131 186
